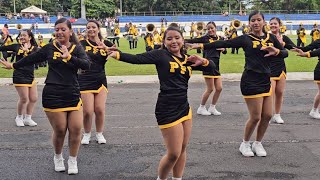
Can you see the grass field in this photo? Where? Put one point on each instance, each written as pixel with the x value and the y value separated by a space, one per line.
pixel 229 63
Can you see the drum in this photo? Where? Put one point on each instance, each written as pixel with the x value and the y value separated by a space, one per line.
pixel 130 37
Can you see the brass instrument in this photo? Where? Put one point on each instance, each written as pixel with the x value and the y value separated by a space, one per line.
pixel 200 26
pixel 19 26
pixel 236 24
pixel 150 28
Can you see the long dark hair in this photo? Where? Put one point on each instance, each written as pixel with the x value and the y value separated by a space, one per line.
pixel 33 41
pixel 172 28
pixel 277 19
pixel 99 27
pixel 73 37
pixel 255 12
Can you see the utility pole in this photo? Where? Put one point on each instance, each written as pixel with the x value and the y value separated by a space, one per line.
pixel 14 7
pixel 83 9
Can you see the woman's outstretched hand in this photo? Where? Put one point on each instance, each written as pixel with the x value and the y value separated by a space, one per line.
pixel 299 52
pixel 6 64
pixel 197 60
pixel 272 51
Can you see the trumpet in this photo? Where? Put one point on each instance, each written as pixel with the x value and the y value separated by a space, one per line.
pixel 150 28
pixel 19 26
pixel 236 24
pixel 200 26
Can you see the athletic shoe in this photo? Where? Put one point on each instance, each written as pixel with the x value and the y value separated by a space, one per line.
pixel 19 122
pixel 245 149
pixel 214 111
pixel 72 167
pixel 29 122
pixel 277 119
pixel 314 114
pixel 258 149
pixel 58 164
pixel 100 138
pixel 203 111
pixel 86 138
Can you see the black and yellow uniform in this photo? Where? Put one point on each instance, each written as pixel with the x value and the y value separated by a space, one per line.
pixel 23 76
pixel 6 42
pixel 315 34
pixel 149 41
pixel 302 38
pixel 62 91
pixel 255 80
pixel 283 29
pixel 130 35
pixel 94 79
pixel 174 72
pixel 157 40
pixel 314 45
pixel 245 30
pixel 278 66
pixel 211 54
pixel 116 36
pixel 233 34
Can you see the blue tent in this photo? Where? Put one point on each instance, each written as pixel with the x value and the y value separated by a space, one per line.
pixel 80 21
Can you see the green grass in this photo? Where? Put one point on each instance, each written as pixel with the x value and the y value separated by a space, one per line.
pixel 229 63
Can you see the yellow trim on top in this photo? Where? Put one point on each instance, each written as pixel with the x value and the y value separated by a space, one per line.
pixel 65 109
pixel 184 118
pixel 212 77
pixel 95 91
pixel 201 46
pixel 70 51
pixel 279 77
pixel 25 85
pixel 259 95
pixel 262 40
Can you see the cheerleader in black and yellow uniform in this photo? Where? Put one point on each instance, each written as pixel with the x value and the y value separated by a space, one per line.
pixel 7 40
pixel 303 51
pixel 172 111
pixel 23 78
pixel 61 94
pixel 315 33
pixel 212 78
pixel 278 70
pixel 260 48
pixel 93 82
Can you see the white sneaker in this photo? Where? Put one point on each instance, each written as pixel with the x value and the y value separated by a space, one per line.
pixel 100 138
pixel 214 111
pixel 58 164
pixel 203 111
pixel 19 122
pixel 245 149
pixel 314 114
pixel 72 167
pixel 29 122
pixel 86 138
pixel 277 119
pixel 258 149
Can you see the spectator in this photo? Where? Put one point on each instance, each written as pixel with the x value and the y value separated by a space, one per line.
pixel 32 16
pixel 5 29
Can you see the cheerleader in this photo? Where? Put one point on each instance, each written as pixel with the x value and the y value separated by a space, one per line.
pixel 23 78
pixel 93 82
pixel 61 94
pixel 213 78
pixel 278 70
pixel 6 40
pixel 172 111
pixel 302 51
pixel 260 48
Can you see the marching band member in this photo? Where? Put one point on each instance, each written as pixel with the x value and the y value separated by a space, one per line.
pixel 302 38
pixel 315 33
pixel 116 35
pixel 157 39
pixel 130 35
